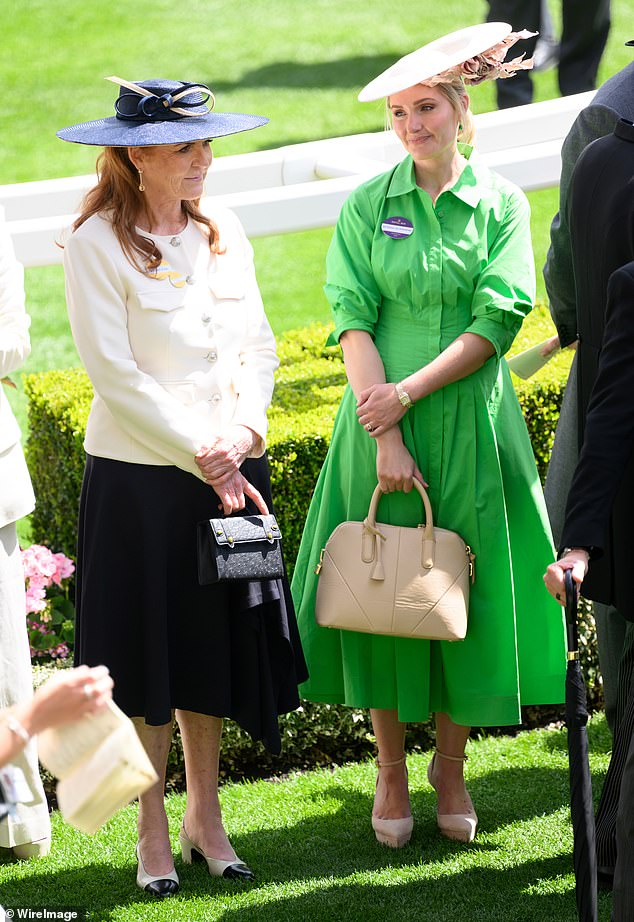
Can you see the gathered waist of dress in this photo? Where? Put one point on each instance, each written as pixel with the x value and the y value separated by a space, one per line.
pixel 408 339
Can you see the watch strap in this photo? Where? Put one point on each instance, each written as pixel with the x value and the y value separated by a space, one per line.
pixel 403 396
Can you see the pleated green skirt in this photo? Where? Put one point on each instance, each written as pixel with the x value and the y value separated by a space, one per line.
pixel 471 443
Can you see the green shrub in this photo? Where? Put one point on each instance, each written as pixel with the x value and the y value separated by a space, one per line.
pixel 541 403
pixel 59 402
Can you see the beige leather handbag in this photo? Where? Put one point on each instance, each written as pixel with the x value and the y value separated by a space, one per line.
pixel 390 579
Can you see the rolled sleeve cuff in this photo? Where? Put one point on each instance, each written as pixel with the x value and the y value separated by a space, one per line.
pixel 498 332
pixel 340 329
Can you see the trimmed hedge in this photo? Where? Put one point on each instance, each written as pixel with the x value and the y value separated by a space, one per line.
pixel 309 386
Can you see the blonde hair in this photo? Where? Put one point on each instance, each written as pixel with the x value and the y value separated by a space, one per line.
pixel 454 92
pixel 117 196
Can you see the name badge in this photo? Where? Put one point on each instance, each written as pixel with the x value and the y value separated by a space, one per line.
pixel 397 228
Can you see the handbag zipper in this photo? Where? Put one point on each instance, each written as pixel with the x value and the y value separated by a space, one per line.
pixel 321 561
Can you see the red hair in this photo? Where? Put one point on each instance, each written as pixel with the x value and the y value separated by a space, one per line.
pixel 117 196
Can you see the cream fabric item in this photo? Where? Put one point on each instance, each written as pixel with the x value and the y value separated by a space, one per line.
pixel 101 765
pixel 389 579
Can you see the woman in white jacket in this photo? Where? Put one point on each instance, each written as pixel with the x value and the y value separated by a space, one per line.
pixel 28 831
pixel 168 320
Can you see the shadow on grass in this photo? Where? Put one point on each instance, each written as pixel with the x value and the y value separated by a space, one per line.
pixel 338 843
pixel 345 72
pixel 494 895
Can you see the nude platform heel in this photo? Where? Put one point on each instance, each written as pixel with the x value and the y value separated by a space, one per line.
pixel 396 832
pixel 461 827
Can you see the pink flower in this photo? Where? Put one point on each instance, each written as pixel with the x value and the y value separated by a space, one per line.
pixel 39 564
pixel 35 599
pixel 42 568
pixel 64 568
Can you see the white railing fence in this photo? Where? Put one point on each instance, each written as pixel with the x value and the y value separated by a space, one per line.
pixel 303 186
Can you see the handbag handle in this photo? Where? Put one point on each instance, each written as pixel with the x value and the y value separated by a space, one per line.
pixel 372 537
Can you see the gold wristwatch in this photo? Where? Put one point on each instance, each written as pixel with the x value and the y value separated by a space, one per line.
pixel 403 396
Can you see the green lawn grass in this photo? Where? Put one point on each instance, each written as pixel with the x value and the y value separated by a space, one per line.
pixel 308 837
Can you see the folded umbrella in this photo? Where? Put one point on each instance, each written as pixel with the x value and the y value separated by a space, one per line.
pixel 581 807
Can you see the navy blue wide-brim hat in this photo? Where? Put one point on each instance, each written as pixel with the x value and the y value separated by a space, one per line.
pixel 153 112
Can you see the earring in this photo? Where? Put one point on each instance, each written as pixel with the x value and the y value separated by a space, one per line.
pixel 459 126
pixel 141 186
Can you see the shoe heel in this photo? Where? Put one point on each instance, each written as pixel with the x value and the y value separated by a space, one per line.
pixel 395 833
pixel 217 867
pixel 461 827
pixel 186 847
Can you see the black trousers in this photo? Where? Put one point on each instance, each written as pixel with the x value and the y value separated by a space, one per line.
pixel 615 814
pixel 586 24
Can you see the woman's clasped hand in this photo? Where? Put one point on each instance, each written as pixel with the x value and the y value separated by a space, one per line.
pixel 220 463
pixel 379 408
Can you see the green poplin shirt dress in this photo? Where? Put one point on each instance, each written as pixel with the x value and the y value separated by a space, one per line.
pixel 415 284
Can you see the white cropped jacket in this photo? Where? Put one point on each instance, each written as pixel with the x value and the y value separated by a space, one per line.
pixel 176 356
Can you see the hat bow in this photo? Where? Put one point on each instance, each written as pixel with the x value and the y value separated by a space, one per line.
pixel 151 106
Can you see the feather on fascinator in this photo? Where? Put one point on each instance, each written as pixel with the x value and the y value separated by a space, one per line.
pixel 490 65
pixel 474 54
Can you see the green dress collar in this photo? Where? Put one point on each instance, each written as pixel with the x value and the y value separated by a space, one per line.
pixel 466 187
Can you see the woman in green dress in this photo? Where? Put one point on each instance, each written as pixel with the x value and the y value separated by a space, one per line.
pixel 430 275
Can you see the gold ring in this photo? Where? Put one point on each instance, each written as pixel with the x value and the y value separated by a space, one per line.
pixel 88 691
pixel 369 427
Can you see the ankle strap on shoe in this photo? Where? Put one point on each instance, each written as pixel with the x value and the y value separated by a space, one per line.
pixel 443 755
pixel 388 764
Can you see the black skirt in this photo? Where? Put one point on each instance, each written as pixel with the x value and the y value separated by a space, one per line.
pixel 222 650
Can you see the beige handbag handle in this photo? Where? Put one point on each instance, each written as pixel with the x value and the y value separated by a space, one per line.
pixel 372 537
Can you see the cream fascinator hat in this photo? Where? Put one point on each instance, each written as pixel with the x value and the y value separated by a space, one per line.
pixel 475 54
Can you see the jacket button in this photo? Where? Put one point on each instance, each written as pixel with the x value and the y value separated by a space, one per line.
pixel 212 356
pixel 190 280
pixel 206 318
pixel 215 399
pixel 175 242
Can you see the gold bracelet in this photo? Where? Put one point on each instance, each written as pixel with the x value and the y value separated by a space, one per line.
pixel 17 729
pixel 403 396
